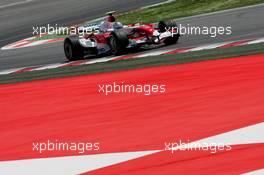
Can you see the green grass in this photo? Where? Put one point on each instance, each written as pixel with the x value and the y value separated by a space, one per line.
pixel 45 37
pixel 111 66
pixel 182 8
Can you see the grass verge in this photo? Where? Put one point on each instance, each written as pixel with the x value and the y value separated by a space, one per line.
pixel 111 66
pixel 46 37
pixel 182 8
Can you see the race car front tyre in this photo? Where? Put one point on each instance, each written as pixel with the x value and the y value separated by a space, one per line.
pixel 73 49
pixel 169 25
pixel 118 42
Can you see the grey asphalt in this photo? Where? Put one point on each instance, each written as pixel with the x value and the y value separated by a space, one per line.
pixel 17 21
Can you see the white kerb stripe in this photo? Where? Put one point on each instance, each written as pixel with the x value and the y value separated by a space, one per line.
pixel 50 66
pixel 247 135
pixel 257 172
pixel 155 53
pixel 9 71
pixel 209 46
pixel 35 43
pixel 69 165
pixel 260 40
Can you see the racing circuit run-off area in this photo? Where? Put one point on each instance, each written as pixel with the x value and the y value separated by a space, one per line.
pixel 222 98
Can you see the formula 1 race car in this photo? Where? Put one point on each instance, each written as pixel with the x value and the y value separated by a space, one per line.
pixel 117 39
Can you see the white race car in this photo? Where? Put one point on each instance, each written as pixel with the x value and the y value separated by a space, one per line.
pixel 116 39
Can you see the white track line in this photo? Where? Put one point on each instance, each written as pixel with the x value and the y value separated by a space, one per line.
pixel 71 165
pixel 221 11
pixel 15 3
pixel 154 5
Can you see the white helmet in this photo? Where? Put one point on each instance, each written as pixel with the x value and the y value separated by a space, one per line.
pixel 118 25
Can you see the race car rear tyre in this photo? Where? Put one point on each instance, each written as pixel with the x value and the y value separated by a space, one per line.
pixel 164 26
pixel 73 49
pixel 118 42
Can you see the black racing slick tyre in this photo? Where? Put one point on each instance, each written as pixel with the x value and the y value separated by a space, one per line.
pixel 73 49
pixel 118 42
pixel 164 26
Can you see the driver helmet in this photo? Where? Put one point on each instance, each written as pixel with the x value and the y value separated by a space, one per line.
pixel 111 18
pixel 118 25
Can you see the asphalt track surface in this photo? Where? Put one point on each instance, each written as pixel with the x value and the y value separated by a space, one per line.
pixel 202 99
pixel 17 22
